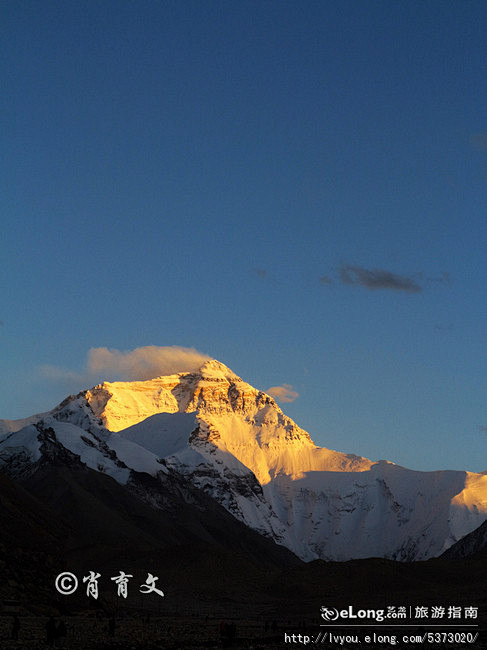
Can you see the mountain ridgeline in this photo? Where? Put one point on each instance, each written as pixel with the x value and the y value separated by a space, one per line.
pixel 206 441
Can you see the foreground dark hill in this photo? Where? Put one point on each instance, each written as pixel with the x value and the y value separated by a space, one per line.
pixel 70 511
pixel 66 517
pixel 61 515
pixel 472 545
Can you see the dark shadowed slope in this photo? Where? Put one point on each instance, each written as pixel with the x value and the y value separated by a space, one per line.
pixel 473 544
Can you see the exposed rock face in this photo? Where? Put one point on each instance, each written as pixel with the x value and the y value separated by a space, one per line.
pixel 237 419
pixel 234 443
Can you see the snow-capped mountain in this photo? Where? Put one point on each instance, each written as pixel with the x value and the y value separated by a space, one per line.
pixel 234 443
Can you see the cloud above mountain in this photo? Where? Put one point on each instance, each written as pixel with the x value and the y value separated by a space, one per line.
pixel 132 365
pixel 284 393
pixel 145 362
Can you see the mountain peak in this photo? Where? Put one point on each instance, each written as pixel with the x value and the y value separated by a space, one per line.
pixel 214 369
pixel 121 404
pixel 233 442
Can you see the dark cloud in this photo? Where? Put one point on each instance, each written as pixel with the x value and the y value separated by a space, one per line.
pixel 479 140
pixel 443 278
pixel 325 279
pixel 377 279
pixel 444 327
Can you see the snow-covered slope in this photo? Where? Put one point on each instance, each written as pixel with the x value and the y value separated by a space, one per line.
pixel 234 443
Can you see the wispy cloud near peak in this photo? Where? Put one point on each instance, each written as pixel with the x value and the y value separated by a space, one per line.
pixel 145 362
pixel 139 364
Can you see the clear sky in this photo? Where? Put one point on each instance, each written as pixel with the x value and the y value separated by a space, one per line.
pixel 297 189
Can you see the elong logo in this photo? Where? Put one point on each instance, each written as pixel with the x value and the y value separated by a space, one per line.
pixel 331 614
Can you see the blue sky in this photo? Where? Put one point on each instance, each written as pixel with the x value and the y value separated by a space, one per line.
pixel 297 189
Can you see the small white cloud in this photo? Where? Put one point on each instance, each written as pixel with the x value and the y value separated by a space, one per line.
pixel 284 393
